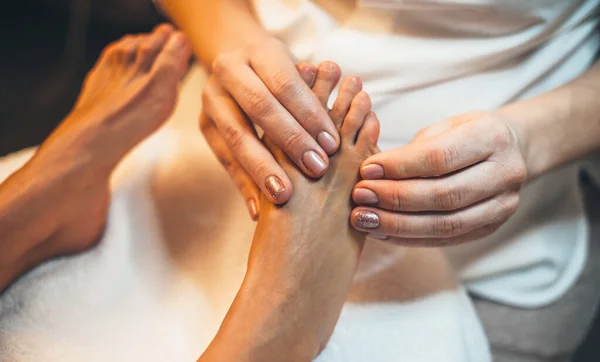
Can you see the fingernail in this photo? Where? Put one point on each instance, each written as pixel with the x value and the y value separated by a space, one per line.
pixel 372 172
pixel 365 197
pixel 327 142
pixel 313 162
pixel 367 219
pixel 253 208
pixel 274 186
pixel 378 236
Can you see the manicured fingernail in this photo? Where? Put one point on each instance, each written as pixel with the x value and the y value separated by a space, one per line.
pixel 253 209
pixel 367 219
pixel 327 142
pixel 378 236
pixel 365 197
pixel 372 172
pixel 313 162
pixel 274 186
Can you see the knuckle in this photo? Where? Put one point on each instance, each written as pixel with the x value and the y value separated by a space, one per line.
pixel 441 159
pixel 399 202
pixel 399 226
pixel 503 137
pixel 311 118
pixel 293 141
pixel 258 107
pixel 221 63
pixel 283 85
pixel 233 137
pixel 447 197
pixel 446 226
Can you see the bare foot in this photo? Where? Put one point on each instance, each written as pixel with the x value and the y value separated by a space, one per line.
pixel 128 94
pixel 304 253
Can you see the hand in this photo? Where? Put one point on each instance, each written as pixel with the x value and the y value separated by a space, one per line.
pixel 260 83
pixel 457 181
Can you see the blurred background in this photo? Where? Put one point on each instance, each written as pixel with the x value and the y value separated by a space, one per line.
pixel 46 48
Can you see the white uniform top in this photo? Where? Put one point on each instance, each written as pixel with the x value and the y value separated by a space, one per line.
pixel 424 60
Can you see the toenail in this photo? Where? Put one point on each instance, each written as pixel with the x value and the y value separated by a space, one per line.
pixel 313 162
pixel 327 141
pixel 372 172
pixel 253 209
pixel 365 197
pixel 378 236
pixel 367 219
pixel 274 186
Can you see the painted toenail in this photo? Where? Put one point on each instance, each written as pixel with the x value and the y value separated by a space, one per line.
pixel 327 141
pixel 313 162
pixel 253 209
pixel 365 197
pixel 274 186
pixel 378 236
pixel 372 172
pixel 367 219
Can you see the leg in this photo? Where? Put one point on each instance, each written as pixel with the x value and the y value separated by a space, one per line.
pixel 304 253
pixel 58 202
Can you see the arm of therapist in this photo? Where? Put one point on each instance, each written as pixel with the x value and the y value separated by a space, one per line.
pixel 253 79
pixel 459 179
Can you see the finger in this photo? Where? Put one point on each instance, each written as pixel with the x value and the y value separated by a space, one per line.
pixel 436 242
pixel 453 192
pixel 435 225
pixel 448 152
pixel 241 178
pixel 247 149
pixel 285 84
pixel 260 105
pixel 308 72
pixel 328 76
pixel 351 86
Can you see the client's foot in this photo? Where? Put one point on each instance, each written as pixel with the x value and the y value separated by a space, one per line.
pixel 128 94
pixel 305 253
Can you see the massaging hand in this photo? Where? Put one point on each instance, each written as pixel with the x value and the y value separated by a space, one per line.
pixel 457 181
pixel 261 81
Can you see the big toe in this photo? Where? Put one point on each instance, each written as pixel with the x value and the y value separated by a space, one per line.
pixel 368 136
pixel 328 75
pixel 150 47
pixel 172 61
pixel 351 86
pixel 359 109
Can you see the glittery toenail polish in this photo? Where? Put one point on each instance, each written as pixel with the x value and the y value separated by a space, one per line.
pixel 367 219
pixel 274 186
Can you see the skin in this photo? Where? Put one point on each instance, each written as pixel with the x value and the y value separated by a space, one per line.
pixel 301 262
pixel 459 179
pixel 253 79
pixel 57 203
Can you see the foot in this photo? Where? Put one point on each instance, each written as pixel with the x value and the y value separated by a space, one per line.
pixel 128 94
pixel 305 253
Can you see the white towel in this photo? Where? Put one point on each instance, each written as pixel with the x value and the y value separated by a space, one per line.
pixel 159 283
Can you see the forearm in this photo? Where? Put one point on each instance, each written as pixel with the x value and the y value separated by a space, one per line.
pixel 214 27
pixel 560 126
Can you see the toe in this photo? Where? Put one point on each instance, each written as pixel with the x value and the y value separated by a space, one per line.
pixel 171 62
pixel 307 72
pixel 149 48
pixel 328 75
pixel 366 142
pixel 359 109
pixel 123 51
pixel 350 87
